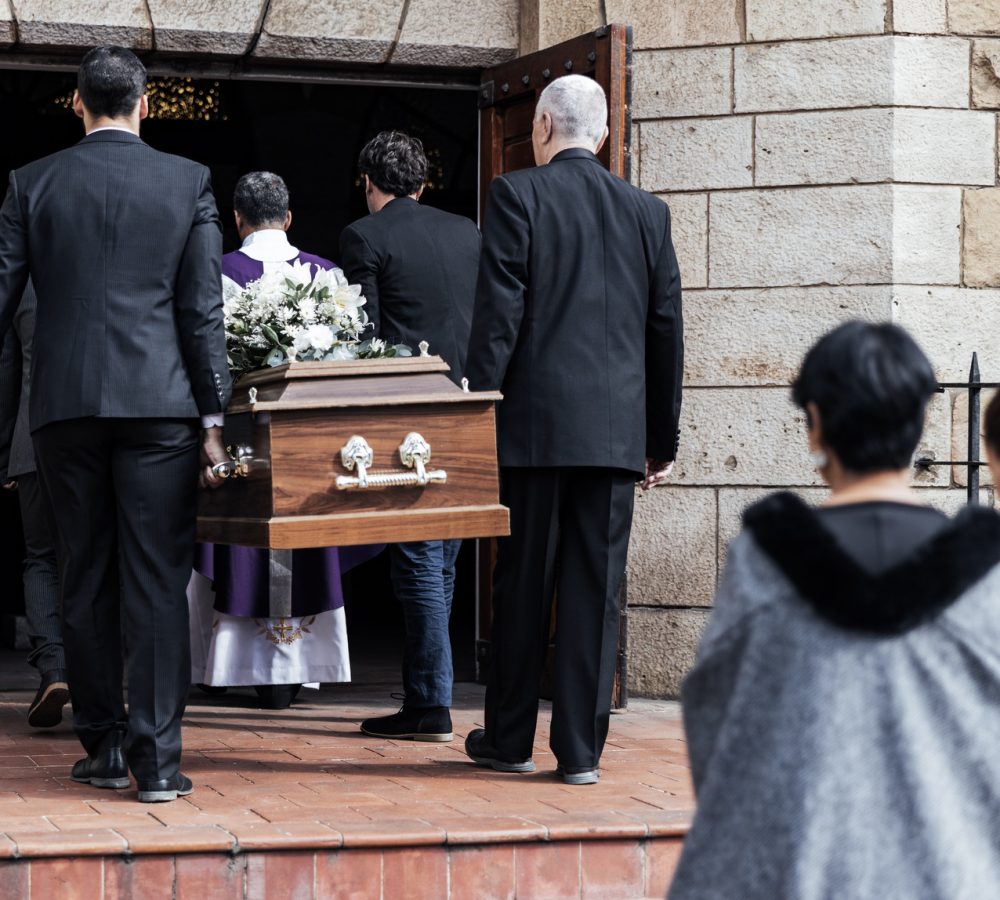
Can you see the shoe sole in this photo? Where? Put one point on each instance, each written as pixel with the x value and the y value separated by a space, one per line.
pixel 47 712
pixel 441 738
pixel 582 778
pixel 498 765
pixel 114 783
pixel 162 796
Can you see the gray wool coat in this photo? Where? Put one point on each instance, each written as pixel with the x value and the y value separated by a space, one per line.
pixel 834 761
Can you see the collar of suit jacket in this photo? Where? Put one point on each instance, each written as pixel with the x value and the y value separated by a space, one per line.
pixel 117 135
pixel 574 153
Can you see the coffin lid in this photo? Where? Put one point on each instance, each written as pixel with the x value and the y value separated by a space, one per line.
pixel 352 383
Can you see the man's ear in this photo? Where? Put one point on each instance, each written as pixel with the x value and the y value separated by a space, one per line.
pixel 368 185
pixel 143 107
pixel 603 140
pixel 288 220
pixel 77 104
pixel 546 125
pixel 420 191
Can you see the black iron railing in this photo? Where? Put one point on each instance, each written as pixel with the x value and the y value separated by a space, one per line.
pixel 975 388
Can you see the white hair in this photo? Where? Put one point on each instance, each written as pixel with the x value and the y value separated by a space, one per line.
pixel 578 108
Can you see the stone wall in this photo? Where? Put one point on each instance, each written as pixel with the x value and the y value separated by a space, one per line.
pixel 822 161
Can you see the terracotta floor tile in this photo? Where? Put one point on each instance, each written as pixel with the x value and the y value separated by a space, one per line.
pixel 349 874
pixel 389 833
pixel 209 876
pixel 547 871
pixel 662 857
pixel 14 879
pixel 483 873
pixel 92 842
pixel 490 829
pixel 66 879
pixel 176 839
pixel 290 835
pixel 148 877
pixel 7 849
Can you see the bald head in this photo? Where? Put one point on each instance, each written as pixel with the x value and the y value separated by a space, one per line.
pixel 571 112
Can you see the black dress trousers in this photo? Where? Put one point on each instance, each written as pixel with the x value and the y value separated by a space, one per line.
pixel 569 538
pixel 123 499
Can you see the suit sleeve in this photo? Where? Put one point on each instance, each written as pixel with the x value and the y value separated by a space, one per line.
pixel 200 319
pixel 501 287
pixel 664 354
pixel 13 255
pixel 10 396
pixel 361 266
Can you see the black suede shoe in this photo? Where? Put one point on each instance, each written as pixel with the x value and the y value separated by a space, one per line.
pixel 482 754
pixel 277 696
pixel 578 774
pixel 107 767
pixel 431 724
pixel 53 693
pixel 165 789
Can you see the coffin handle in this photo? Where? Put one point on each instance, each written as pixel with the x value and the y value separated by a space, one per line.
pixel 414 453
pixel 239 464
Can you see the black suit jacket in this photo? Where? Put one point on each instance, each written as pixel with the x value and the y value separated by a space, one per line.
pixel 578 318
pixel 123 246
pixel 417 267
pixel 17 454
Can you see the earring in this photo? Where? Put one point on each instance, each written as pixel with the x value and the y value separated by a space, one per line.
pixel 819 459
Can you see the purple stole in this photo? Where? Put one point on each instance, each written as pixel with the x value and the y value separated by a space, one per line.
pixel 241 576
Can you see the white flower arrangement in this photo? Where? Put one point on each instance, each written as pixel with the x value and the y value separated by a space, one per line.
pixel 289 313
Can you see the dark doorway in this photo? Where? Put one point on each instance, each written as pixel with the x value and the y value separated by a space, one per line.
pixel 311 135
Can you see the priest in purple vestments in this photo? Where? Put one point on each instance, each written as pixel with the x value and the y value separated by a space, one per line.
pixel 234 639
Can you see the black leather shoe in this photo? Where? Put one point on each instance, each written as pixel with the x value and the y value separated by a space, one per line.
pixel 53 693
pixel 165 789
pixel 107 767
pixel 431 724
pixel 482 754
pixel 211 690
pixel 578 774
pixel 277 696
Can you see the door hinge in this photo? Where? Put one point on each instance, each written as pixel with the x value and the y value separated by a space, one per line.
pixel 486 94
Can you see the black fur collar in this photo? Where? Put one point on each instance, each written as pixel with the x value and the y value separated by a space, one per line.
pixel 910 593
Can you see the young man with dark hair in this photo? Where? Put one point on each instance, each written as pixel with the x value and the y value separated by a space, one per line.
pixel 129 353
pixel 417 268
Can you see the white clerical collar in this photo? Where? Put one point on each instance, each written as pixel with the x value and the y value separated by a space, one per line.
pixel 111 128
pixel 269 245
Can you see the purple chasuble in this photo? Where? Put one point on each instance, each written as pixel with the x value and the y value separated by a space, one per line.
pixel 241 576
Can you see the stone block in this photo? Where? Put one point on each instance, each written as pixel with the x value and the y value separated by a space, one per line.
pixel 960 437
pixel 986 74
pixel 457 33
pixel 981 217
pixel 853 72
pixel 679 23
pixel 697 154
pixel 83 23
pixel 753 436
pixel 820 235
pixel 689 231
pixel 974 16
pixel 840 147
pixel 330 30
pixel 930 71
pixel 221 28
pixel 919 16
pixel 662 645
pixel 778 20
pixel 560 20
pixel 671 560
pixel 935 443
pixel 951 324
pixel 8 28
pixel 744 338
pixel 673 83
pixel 733 501
pixel 944 146
pixel 926 234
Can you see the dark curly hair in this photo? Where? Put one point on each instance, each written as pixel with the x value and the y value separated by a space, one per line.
pixel 395 163
pixel 261 198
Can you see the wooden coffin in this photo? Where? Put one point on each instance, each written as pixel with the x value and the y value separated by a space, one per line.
pixel 295 486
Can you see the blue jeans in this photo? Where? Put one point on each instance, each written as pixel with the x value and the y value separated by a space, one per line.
pixel 423 577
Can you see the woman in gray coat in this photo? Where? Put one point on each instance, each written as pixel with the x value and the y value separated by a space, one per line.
pixel 843 715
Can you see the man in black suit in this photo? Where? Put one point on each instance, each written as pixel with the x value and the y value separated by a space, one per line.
pixel 417 269
pixel 578 322
pixel 123 246
pixel 19 472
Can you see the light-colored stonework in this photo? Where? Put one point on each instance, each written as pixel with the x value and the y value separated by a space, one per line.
pixel 83 23
pixel 458 33
pixel 974 16
pixel 776 20
pixel 8 30
pixel 220 27
pixel 919 16
pixel 680 23
pixel 986 74
pixel 980 256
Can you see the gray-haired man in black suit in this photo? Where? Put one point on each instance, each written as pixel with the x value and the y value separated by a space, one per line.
pixel 123 246
pixel 578 322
